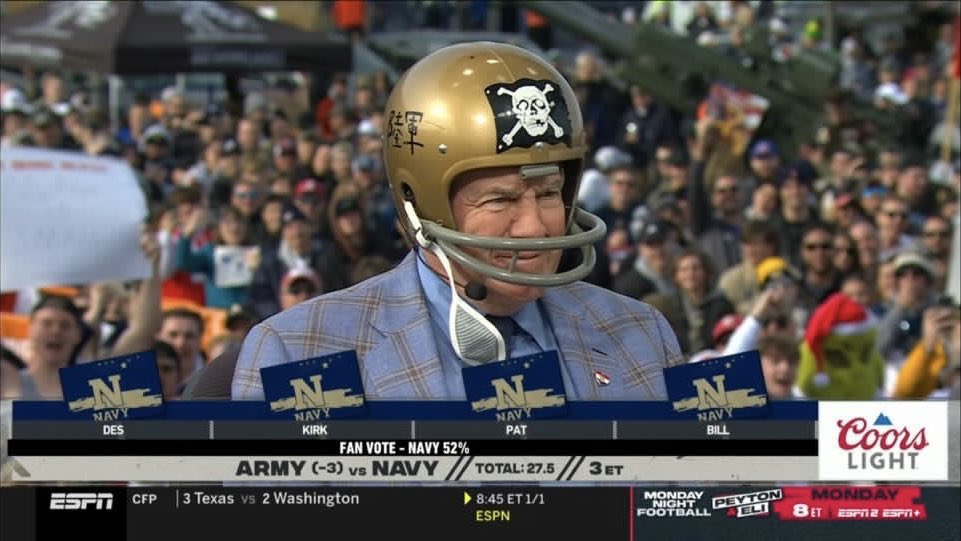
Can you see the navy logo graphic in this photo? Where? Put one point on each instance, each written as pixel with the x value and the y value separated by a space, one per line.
pixel 527 112
pixel 729 387
pixel 114 389
pixel 522 388
pixel 325 387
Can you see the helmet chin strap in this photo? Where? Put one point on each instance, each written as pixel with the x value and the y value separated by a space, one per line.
pixel 474 338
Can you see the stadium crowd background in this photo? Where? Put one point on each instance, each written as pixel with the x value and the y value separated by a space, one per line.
pixel 739 250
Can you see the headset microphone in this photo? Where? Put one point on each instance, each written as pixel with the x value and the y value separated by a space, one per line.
pixel 476 291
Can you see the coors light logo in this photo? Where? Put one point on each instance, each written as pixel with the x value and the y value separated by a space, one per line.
pixel 860 440
pixel 881 445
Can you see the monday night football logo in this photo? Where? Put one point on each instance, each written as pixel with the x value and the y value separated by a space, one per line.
pixel 522 388
pixel 327 387
pixel 729 387
pixel 114 389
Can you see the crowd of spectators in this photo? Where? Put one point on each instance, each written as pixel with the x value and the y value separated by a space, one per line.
pixel 737 250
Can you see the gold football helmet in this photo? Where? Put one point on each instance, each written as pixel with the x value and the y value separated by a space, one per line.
pixel 478 105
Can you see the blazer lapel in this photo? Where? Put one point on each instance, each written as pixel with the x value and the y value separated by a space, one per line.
pixel 403 362
pixel 590 355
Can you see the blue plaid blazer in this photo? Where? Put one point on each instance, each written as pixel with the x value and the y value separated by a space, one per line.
pixel 385 319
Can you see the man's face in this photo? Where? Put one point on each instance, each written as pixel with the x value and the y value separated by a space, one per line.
pixel 155 150
pixel 794 194
pixel 53 90
pixel 654 254
pixel 780 373
pixel 724 196
pixel 310 204
pixel 690 274
pixel 247 136
pixel 497 202
pixel 271 215
pixel 285 162
pixel 350 224
pixel 912 182
pixel 47 135
pixel 54 334
pixel 622 188
pixel 169 369
pixel 756 251
pixel 297 292
pixel 893 217
pixel 764 198
pixel 817 247
pixel 184 335
pixel 297 235
pixel 765 166
pixel 858 291
pixel 936 236
pixel 840 164
pixel 913 283
pixel 245 198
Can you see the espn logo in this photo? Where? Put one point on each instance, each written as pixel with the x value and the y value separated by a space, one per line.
pixel 81 500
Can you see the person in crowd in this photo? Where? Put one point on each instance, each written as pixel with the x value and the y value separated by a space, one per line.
pixel 759 241
pixel 271 217
pixel 936 238
pixel 310 198
pixel 868 246
pixel 59 336
pixel 892 223
pixel 859 290
pixel 900 328
pixel 696 306
pixel 297 249
pixel 717 224
pixel 769 316
pixel 511 196
pixel 844 256
pixel 820 279
pixel 645 126
pixel 797 214
pixel 931 367
pixel 623 186
pixel 780 358
pixel 649 271
pixel 230 248
pixel 168 366
pixel 183 329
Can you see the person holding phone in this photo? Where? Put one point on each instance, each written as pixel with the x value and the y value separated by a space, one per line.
pixel 933 366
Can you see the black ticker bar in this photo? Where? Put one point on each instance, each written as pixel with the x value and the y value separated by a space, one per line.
pixel 719 447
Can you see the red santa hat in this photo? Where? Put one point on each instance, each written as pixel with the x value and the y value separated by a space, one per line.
pixel 838 315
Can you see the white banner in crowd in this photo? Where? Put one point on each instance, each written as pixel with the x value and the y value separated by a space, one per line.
pixel 234 265
pixel 68 218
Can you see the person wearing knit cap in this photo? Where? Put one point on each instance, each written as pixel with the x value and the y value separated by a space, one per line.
pixel 839 358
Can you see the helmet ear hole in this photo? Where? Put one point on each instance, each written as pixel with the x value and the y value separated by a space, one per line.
pixel 408 192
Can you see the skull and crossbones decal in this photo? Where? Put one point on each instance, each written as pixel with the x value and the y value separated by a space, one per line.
pixel 531 116
pixel 533 111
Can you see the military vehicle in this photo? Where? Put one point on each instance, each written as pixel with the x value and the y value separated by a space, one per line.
pixel 678 72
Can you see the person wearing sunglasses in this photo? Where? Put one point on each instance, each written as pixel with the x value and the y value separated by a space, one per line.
pixel 936 235
pixel 820 277
pixel 900 328
pixel 892 221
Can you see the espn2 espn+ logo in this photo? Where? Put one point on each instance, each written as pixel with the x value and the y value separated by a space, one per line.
pixel 883 441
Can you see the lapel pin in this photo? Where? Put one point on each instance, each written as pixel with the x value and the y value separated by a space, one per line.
pixel 601 378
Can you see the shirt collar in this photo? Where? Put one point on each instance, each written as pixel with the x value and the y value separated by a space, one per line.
pixel 437 293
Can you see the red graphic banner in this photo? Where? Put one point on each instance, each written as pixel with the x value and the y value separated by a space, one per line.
pixel 851 503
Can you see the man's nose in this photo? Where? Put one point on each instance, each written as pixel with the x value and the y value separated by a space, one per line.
pixel 528 220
